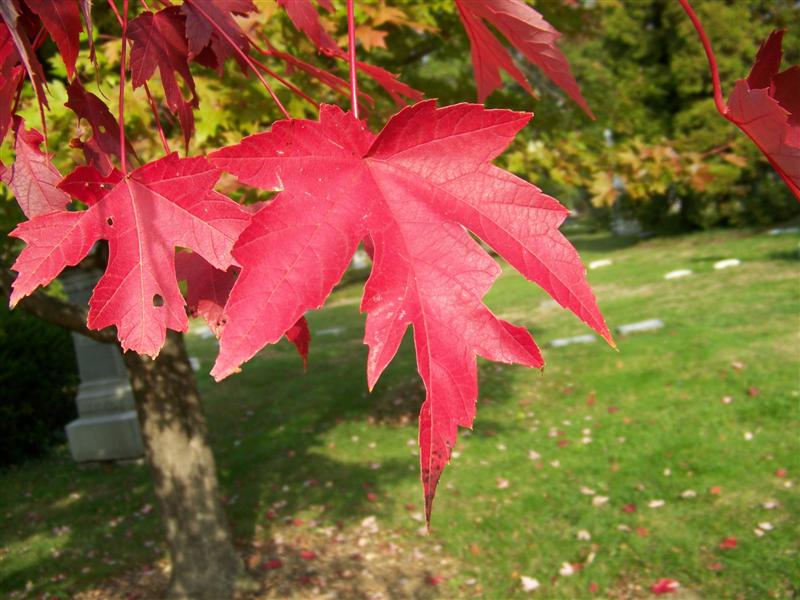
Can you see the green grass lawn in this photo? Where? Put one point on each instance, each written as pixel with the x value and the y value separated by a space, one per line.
pixel 635 449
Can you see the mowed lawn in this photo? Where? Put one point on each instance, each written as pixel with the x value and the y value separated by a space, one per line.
pixel 676 457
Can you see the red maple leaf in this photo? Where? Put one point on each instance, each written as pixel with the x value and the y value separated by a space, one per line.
pixel 32 176
pixel 206 44
pixel 11 74
pixel 766 106
pixel 305 18
pixel 105 127
pixel 165 204
pixel 10 13
pixel 528 32
pixel 665 586
pixel 207 288
pixel 62 20
pixel 159 40
pixel 413 191
pixel 207 291
pixel 729 543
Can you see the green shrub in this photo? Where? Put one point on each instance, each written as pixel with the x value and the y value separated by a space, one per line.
pixel 38 382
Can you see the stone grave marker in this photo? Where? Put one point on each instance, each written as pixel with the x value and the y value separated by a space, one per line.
pixel 640 327
pixel 107 427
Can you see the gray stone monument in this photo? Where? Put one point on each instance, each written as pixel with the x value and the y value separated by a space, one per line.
pixel 107 427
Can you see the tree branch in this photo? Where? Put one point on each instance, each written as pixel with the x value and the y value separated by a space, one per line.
pixel 55 311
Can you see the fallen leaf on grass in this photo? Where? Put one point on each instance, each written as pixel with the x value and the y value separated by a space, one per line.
pixel 529 584
pixel 665 586
pixel 728 543
pixel 629 508
pixel 271 565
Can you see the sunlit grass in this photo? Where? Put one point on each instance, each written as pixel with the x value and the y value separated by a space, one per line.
pixel 645 424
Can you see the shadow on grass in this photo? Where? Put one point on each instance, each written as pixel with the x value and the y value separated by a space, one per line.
pixel 604 243
pixel 270 428
pixel 788 255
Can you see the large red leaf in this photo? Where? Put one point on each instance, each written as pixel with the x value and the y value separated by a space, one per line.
pixel 766 106
pixel 528 32
pixel 32 176
pixel 414 190
pixel 165 204
pixel 159 40
pixel 62 20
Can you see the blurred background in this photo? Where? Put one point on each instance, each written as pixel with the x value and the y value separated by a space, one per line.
pixel 675 458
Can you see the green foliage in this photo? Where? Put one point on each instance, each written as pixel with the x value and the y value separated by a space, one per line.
pixel 38 381
pixel 646 77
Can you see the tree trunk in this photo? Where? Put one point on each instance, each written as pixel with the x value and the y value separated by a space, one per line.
pixel 205 563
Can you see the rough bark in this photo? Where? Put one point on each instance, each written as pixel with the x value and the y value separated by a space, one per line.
pixel 50 309
pixel 205 564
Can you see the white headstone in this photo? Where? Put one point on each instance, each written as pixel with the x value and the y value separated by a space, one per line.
pixel 678 274
pixel 727 263
pixel 578 339
pixel 603 262
pixel 641 326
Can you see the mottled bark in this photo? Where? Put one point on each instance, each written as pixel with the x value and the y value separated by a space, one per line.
pixel 205 564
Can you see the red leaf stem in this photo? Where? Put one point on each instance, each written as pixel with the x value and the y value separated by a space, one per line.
pixel 351 52
pixel 154 109
pixel 244 57
pixel 712 60
pixel 123 21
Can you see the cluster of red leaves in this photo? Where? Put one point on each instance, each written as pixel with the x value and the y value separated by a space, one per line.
pixel 412 194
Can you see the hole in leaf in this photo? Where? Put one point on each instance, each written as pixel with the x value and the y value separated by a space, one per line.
pixel 110 220
pixel 158 300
